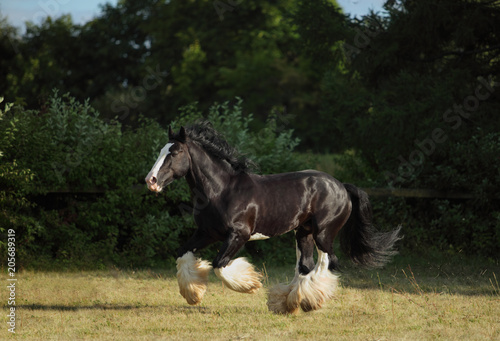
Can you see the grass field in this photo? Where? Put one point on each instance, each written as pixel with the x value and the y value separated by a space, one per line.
pixel 408 300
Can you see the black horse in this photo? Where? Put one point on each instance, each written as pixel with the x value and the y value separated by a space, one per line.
pixel 240 206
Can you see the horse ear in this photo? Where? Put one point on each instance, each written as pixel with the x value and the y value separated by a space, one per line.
pixel 170 133
pixel 182 134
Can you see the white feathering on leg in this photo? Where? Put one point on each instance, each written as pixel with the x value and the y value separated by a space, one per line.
pixel 277 298
pixel 307 291
pixel 278 294
pixel 192 276
pixel 239 275
pixel 315 288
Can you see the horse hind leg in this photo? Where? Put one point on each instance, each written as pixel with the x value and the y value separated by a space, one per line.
pixel 315 288
pixel 285 298
pixel 320 285
pixel 312 285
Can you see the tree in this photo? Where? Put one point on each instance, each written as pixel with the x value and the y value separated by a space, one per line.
pixel 9 49
pixel 197 51
pixel 402 72
pixel 43 61
pixel 424 71
pixel 417 104
pixel 244 50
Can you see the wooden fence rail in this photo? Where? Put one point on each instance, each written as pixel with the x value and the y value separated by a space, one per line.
pixel 373 192
pixel 417 193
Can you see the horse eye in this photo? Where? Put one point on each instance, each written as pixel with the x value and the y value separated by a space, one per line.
pixel 175 153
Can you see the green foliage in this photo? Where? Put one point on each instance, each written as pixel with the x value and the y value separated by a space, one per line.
pixel 370 89
pixel 69 149
pixel 16 182
pixel 270 147
pixel 441 225
pixel 414 101
pixel 249 51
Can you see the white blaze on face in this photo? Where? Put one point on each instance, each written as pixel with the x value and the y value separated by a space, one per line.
pixel 153 174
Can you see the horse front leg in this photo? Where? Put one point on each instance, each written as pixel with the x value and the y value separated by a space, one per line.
pixel 238 274
pixel 192 272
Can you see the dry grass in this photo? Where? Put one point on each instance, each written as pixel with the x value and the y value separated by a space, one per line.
pixel 397 303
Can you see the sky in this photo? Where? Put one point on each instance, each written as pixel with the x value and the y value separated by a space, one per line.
pixel 360 7
pixel 20 11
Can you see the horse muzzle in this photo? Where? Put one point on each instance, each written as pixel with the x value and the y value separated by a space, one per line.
pixel 154 186
pixel 152 183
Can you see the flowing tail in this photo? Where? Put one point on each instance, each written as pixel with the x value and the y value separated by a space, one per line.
pixel 359 239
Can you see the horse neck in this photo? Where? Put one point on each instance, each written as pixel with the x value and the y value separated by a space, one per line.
pixel 207 174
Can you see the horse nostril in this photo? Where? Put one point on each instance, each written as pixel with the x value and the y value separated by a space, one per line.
pixel 151 180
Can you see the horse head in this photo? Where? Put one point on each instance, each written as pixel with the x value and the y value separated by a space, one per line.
pixel 172 163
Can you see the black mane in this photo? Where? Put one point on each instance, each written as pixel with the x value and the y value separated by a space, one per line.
pixel 203 133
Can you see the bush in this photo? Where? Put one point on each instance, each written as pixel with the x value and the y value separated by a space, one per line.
pixel 67 149
pixel 455 225
pixel 271 148
pixel 16 182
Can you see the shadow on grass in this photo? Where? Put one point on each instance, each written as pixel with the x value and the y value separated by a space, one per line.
pixel 171 309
